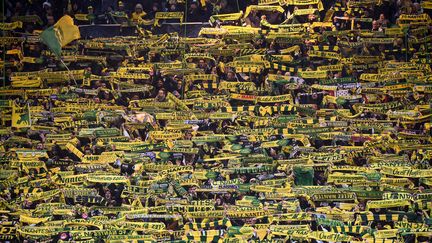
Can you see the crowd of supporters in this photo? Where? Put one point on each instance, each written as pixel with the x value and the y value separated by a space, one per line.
pixel 282 121
pixel 110 11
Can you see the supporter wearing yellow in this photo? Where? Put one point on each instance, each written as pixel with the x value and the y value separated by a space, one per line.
pixel 138 14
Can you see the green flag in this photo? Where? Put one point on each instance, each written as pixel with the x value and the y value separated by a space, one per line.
pixel 303 176
pixel 61 34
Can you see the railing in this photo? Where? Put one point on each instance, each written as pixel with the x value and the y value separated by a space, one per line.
pixel 190 29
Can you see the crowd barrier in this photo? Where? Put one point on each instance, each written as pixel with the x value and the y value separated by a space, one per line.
pixel 190 29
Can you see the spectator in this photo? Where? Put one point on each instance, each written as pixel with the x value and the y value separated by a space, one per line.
pixel 252 19
pixel 376 26
pixel 195 13
pixel 161 95
pixel 225 8
pixel 155 8
pixel 138 14
pixel 383 22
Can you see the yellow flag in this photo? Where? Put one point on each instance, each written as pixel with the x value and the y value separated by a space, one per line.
pixel 67 30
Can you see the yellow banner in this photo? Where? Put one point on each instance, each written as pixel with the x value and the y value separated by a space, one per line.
pixel 168 15
pixel 407 172
pixel 388 203
pixel 95 178
pixel 11 26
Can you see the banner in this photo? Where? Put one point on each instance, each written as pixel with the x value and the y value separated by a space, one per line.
pixel 167 15
pixel 11 26
pixel 388 203
pixel 21 117
pixel 406 172
pixel 95 178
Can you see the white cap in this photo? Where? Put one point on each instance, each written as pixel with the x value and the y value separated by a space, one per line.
pixel 46 4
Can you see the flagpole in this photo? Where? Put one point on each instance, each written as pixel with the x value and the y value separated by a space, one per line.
pixel 4 50
pixel 69 71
